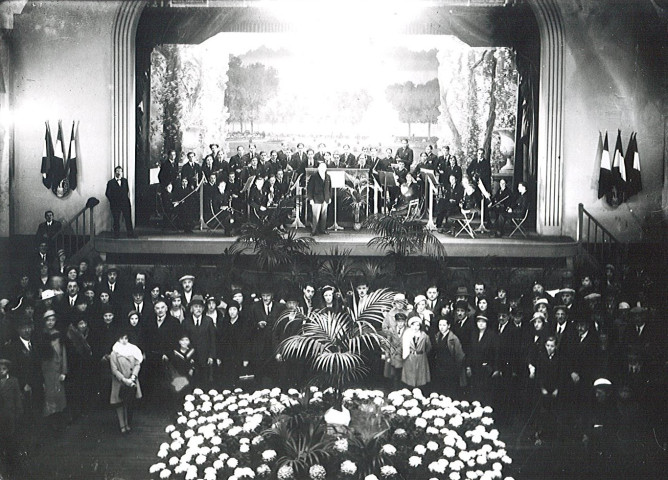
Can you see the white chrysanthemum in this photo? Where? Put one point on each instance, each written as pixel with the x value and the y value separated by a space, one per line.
pixel 191 474
pixel 285 472
pixel 437 467
pixel 497 466
pixel 388 471
pixel 173 461
pixel 156 467
pixel 263 470
pixel 481 460
pixel 188 407
pixel 244 472
pixel 439 422
pixel 449 452
pixel 420 449
pixel 232 462
pixel 317 472
pixel 341 445
pixel 268 455
pixel 371 477
pixel 200 459
pixel 456 421
pixel 400 432
pixel 415 461
pixel 457 465
pixel 433 446
pixel 244 448
pixel 420 423
pixel 455 476
pixel 348 467
pixel 506 459
pixel 166 473
pixel 218 464
pixel 471 475
pixel 388 449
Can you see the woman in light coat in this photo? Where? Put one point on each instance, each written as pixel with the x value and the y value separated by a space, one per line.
pixel 125 361
pixel 416 346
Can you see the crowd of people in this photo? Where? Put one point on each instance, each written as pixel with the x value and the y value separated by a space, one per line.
pixel 247 184
pixel 73 336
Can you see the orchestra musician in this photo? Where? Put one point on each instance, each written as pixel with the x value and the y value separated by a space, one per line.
pixel 221 208
pixel 185 203
pixel 449 202
pixel 408 191
pixel 257 200
pixel 501 200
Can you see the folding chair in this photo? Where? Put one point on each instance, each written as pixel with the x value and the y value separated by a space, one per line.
pixel 465 221
pixel 167 219
pixel 518 224
pixel 413 210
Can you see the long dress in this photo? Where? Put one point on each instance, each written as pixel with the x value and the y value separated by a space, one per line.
pixel 53 366
pixel 416 366
pixel 122 367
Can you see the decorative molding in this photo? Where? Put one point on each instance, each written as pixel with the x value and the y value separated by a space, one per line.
pixel 123 134
pixel 550 118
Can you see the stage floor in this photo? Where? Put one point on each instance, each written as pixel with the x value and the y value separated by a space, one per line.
pixel 156 241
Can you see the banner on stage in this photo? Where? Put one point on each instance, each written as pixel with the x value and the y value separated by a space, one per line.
pixel 352 176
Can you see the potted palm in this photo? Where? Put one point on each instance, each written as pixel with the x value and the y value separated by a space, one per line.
pixel 336 346
pixel 355 197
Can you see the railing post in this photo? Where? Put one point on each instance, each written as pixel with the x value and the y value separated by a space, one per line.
pixel 580 218
pixel 92 225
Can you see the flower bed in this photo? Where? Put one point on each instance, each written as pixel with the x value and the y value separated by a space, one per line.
pixel 275 435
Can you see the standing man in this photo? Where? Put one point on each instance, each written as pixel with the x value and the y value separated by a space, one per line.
pixel 480 172
pixel 119 202
pixel 192 171
pixel 319 194
pixel 169 170
pixel 405 153
pixel 49 228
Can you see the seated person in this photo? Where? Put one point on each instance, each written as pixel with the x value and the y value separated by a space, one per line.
pixel 448 203
pixel 257 200
pixel 501 200
pixel 470 200
pixel 408 191
pixel 221 205
pixel 517 210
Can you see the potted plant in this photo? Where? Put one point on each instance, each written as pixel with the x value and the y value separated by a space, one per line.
pixel 355 197
pixel 335 345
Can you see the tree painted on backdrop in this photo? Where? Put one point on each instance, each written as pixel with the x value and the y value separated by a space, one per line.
pixel 415 103
pixel 249 90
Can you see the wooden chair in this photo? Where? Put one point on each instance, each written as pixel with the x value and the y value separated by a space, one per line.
pixel 518 222
pixel 413 210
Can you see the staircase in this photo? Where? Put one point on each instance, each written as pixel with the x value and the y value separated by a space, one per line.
pixel 597 243
pixel 77 236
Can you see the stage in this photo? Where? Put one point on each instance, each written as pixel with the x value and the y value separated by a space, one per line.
pixel 153 241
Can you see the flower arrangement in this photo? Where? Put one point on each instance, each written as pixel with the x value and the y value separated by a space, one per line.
pixel 275 434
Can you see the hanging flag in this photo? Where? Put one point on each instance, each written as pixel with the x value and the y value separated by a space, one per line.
pixel 59 183
pixel 604 174
pixel 617 186
pixel 634 183
pixel 597 162
pixel 71 165
pixel 47 156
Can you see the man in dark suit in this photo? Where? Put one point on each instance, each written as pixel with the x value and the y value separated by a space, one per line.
pixel 252 153
pixel 202 334
pixel 237 161
pixel 192 171
pixel 462 326
pixel 49 228
pixel 26 367
pixel 405 153
pixel 480 170
pixel 319 195
pixel 119 202
pixel 298 159
pixel 509 341
pixel 347 159
pixel 264 315
pixel 169 170
pixel 432 159
pixel 562 329
pixel 306 302
pixel 517 210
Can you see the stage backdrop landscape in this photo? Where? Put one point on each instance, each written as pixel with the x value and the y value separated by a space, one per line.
pixel 328 88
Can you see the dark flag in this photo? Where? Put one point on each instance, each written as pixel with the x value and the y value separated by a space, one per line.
pixel 47 157
pixel 618 183
pixel 71 165
pixel 60 184
pixel 634 181
pixel 605 174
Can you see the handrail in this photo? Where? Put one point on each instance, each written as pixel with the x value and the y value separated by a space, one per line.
pixel 79 231
pixel 600 243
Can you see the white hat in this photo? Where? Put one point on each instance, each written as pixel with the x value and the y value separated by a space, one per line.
pixel 47 294
pixel 399 297
pixel 623 306
pixel 419 298
pixel 602 382
pixel 538 315
pixel 186 277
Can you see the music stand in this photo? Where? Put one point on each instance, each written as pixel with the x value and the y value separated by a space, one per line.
pixel 429 177
pixel 483 190
pixel 338 181
pixel 388 180
pixel 246 189
pixel 297 223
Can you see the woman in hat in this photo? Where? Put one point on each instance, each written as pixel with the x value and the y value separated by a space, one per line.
pixel 125 362
pixel 235 351
pixel 81 383
pixel 53 355
pixel 330 301
pixel 394 360
pixel 415 348
pixel 423 312
pixel 482 360
pixel 134 329
pixel 11 409
pixel 176 309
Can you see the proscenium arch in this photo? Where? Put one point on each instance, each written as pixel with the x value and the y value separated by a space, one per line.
pixel 549 193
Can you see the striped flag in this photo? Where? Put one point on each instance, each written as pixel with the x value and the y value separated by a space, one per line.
pixel 605 173
pixel 71 165
pixel 58 164
pixel 47 156
pixel 618 183
pixel 634 182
